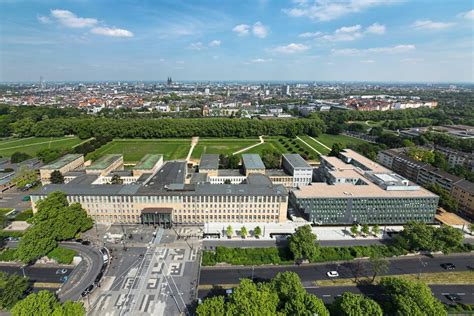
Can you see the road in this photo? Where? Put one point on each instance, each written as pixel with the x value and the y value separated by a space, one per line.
pixel 212 243
pixel 85 272
pixel 329 293
pixel 314 272
pixel 38 274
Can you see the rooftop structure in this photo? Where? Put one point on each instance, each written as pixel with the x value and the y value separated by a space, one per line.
pixel 252 161
pixel 148 161
pixel 296 161
pixel 104 162
pixel 61 162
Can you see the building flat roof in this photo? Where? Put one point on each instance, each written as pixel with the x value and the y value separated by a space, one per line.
pixel 148 162
pixel 369 164
pixel 229 173
pixel 252 161
pixel 61 162
pixel 104 162
pixel 209 161
pixel 296 161
pixel 276 173
pixel 466 185
pixel 172 172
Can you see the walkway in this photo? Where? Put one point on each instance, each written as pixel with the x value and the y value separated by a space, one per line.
pixel 250 147
pixel 194 142
pixel 297 137
pixel 317 141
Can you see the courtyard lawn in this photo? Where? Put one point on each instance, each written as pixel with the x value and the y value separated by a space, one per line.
pixel 323 150
pixel 134 149
pixel 32 145
pixel 221 146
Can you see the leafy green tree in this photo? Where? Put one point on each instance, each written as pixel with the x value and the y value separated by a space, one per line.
pixel 257 232
pixel 447 238
pixel 418 236
pixel 46 304
pixel 471 228
pixel 303 243
pixel 17 157
pixel 243 232
pixel 365 229
pixel 116 179
pixel 271 158
pixel 405 297
pixel 446 201
pixel 336 149
pixel 229 231
pixel 250 299
pixel 48 155
pixel 56 177
pixel 440 161
pixel 350 304
pixel 227 181
pixel 12 288
pixel 213 306
pixel 380 266
pixel 376 230
pixel 355 230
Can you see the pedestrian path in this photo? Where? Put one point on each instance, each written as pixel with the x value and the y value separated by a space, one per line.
pixel 299 138
pixel 250 147
pixel 194 142
pixel 317 141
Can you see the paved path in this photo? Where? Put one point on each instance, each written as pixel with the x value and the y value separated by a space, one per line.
pixel 309 145
pixel 250 147
pixel 194 142
pixel 317 141
pixel 34 144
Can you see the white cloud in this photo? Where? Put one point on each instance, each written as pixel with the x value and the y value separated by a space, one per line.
pixel 412 60
pixel 310 34
pixel 113 32
pixel 44 19
pixel 323 10
pixel 376 28
pixel 398 49
pixel 69 19
pixel 260 60
pixel 215 43
pixel 241 29
pixel 368 61
pixel 468 15
pixel 350 33
pixel 430 25
pixel 260 30
pixel 196 46
pixel 291 48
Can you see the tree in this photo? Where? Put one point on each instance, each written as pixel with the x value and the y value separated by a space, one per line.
pixel 257 232
pixel 471 228
pixel 405 297
pixel 227 181
pixel 365 229
pixel 336 149
pixel 379 264
pixel 56 177
pixel 213 306
pixel 116 179
pixel 447 238
pixel 46 304
pixel 243 232
pixel 355 230
pixel 375 230
pixel 229 231
pixel 350 304
pixel 271 158
pixel 249 298
pixel 17 157
pixel 12 289
pixel 303 243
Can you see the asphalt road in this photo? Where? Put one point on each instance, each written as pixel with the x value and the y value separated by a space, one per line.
pixel 314 272
pixel 85 272
pixel 329 293
pixel 212 243
pixel 38 274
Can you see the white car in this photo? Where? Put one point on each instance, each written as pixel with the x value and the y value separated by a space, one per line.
pixel 332 274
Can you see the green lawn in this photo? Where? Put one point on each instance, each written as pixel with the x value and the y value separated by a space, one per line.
pixel 328 140
pixel 323 150
pixel 221 146
pixel 32 145
pixel 134 149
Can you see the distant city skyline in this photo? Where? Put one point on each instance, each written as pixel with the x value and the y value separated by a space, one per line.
pixel 254 41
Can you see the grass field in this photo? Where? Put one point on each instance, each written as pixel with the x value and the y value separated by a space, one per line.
pixel 328 140
pixel 32 145
pixel 134 149
pixel 221 146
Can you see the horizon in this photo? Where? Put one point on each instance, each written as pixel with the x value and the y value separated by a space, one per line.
pixel 393 41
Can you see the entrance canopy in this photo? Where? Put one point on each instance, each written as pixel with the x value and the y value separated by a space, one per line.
pixel 157 210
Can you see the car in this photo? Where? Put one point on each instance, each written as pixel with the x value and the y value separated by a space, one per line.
pixel 26 198
pixel 332 274
pixel 79 240
pixel 453 297
pixel 61 271
pixel 299 261
pixel 448 266
pixel 63 279
pixel 87 290
pixel 86 242
pixel 141 255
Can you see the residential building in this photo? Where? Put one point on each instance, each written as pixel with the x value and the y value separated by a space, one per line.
pixel 463 193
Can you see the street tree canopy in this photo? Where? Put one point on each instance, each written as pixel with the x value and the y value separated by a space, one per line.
pixel 350 304
pixel 303 243
pixel 12 288
pixel 46 304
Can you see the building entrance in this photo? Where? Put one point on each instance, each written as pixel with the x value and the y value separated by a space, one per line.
pixel 157 216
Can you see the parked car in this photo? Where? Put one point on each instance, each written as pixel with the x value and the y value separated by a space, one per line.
pixel 87 290
pixel 453 297
pixel 448 266
pixel 332 274
pixel 26 198
pixel 86 242
pixel 79 240
pixel 61 271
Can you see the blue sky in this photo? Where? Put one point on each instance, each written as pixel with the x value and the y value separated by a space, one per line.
pixel 343 40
